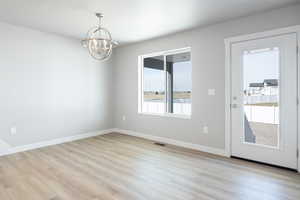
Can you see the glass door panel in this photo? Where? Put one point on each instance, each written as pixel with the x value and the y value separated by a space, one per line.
pixel 261 96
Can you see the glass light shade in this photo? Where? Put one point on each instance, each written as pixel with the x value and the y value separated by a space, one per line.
pixel 99 41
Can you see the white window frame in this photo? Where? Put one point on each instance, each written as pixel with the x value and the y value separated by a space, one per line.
pixel 141 82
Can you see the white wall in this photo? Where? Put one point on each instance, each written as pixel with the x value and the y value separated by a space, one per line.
pixel 49 87
pixel 208 58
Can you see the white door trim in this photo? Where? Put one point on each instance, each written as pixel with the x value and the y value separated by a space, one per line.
pixel 228 43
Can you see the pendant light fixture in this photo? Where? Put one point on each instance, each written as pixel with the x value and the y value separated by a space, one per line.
pixel 98 41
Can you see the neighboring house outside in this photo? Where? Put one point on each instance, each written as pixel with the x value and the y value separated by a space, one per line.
pixel 265 92
pixel 267 87
pixel 270 87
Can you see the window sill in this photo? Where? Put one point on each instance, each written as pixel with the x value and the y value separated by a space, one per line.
pixel 167 115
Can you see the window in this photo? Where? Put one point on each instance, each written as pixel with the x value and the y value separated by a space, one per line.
pixel 165 83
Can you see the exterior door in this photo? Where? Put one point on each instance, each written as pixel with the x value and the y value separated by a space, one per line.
pixel 264 100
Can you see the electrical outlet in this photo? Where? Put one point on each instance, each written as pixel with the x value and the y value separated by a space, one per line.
pixel 13 130
pixel 124 118
pixel 211 92
pixel 205 129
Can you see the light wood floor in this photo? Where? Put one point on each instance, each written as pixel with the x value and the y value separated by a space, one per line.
pixel 116 166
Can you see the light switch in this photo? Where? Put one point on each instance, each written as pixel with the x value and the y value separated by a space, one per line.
pixel 205 129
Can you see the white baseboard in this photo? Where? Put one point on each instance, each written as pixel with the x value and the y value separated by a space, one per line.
pixel 216 151
pixel 12 150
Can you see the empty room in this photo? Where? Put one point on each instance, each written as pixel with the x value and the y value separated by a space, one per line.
pixel 149 100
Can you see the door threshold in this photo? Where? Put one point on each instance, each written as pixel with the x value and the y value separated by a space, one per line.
pixel 263 163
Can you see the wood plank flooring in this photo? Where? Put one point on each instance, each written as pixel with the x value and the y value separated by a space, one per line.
pixel 116 166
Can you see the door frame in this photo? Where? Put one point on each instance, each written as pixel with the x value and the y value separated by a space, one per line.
pixel 242 38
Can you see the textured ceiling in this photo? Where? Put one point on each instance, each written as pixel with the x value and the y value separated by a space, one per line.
pixel 128 20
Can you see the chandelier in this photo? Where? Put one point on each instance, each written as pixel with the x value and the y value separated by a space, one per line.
pixel 98 41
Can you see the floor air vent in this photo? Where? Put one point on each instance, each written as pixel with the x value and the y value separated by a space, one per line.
pixel 159 144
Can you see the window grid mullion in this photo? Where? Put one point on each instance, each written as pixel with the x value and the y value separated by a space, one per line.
pixel 166 84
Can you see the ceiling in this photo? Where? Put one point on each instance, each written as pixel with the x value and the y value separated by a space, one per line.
pixel 128 20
